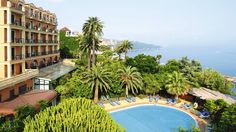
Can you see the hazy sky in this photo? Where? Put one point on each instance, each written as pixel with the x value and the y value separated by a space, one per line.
pixel 163 22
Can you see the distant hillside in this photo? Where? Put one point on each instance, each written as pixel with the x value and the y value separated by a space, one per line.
pixel 137 44
pixel 141 45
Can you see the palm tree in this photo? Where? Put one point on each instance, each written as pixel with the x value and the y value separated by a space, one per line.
pixel 130 79
pixel 92 29
pixel 97 78
pixel 176 84
pixel 119 51
pixel 85 45
pixel 158 58
pixel 125 46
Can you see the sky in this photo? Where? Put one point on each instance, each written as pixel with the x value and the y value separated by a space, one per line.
pixel 160 22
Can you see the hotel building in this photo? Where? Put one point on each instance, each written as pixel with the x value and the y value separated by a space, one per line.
pixel 28 42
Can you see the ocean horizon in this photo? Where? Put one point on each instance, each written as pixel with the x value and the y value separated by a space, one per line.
pixel 219 58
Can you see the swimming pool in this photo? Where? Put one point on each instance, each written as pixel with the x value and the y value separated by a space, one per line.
pixel 153 118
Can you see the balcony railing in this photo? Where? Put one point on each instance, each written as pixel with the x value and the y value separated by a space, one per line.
pixel 42 18
pixel 44 53
pixel 18 23
pixel 27 74
pixel 31 41
pixel 39 28
pixel 56 51
pixel 18 40
pixel 16 6
pixel 50 52
pixel 27 55
pixel 35 54
pixel 35 41
pixel 18 57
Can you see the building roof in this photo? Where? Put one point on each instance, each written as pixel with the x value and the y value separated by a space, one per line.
pixel 65 29
pixel 55 71
pixel 207 94
pixel 30 98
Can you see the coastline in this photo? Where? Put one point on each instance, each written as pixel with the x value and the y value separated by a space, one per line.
pixel 207 58
pixel 230 78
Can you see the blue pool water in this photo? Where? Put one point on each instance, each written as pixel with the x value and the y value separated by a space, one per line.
pixel 152 118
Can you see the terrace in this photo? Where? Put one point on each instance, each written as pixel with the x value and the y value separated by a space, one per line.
pixel 28 74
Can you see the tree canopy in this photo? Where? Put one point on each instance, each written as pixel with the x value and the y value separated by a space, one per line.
pixel 144 63
pixel 98 79
pixel 131 79
pixel 176 84
pixel 72 115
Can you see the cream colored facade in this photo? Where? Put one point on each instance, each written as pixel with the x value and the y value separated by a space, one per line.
pixel 28 39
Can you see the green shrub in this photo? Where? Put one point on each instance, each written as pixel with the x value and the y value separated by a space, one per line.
pixel 43 104
pixel 73 115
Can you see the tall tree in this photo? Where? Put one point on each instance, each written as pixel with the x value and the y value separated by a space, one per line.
pixel 119 51
pixel 85 46
pixel 158 57
pixel 97 78
pixel 92 29
pixel 131 79
pixel 151 84
pixel 176 84
pixel 125 46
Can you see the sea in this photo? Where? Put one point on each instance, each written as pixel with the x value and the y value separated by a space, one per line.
pixel 221 58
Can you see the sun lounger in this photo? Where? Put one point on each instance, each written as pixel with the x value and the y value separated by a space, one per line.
pixel 132 99
pixel 150 98
pixel 209 128
pixel 103 98
pixel 108 97
pixel 128 100
pixel 117 101
pixel 156 98
pixel 168 100
pixel 171 101
pixel 112 103
pixel 204 114
pixel 189 106
pixel 101 104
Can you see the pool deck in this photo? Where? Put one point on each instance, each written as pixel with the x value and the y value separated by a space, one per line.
pixel 124 104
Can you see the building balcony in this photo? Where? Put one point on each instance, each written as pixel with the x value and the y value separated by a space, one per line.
pixel 33 41
pixel 56 51
pixel 40 29
pixel 18 8
pixel 37 54
pixel 44 53
pixel 34 54
pixel 18 23
pixel 26 75
pixel 50 52
pixel 18 57
pixel 44 19
pixel 18 40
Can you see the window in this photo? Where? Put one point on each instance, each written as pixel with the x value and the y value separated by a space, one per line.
pixel 12 19
pixel 20 7
pixel 12 36
pixel 22 89
pixel 12 69
pixel 12 94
